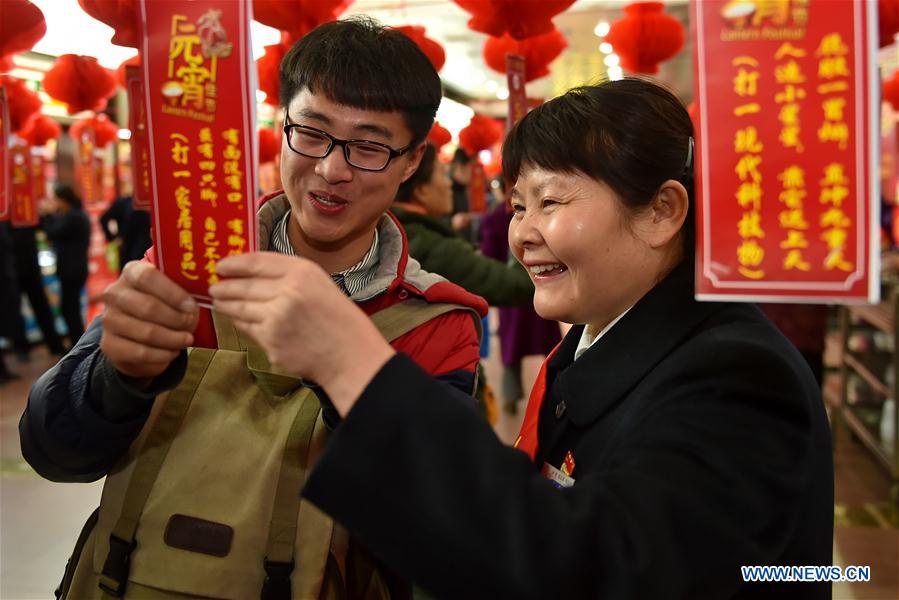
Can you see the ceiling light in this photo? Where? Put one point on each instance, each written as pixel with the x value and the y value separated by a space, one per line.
pixel 601 29
pixel 124 134
pixel 615 73
pixel 502 94
pixel 491 86
pixel 612 60
pixel 605 48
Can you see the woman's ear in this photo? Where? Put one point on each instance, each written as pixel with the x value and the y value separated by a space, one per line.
pixel 666 215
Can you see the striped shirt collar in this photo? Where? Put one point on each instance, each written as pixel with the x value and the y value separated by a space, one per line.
pixel 351 280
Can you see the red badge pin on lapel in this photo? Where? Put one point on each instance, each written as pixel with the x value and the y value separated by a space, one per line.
pixel 568 464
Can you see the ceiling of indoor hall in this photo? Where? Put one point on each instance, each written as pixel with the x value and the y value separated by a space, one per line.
pixel 466 73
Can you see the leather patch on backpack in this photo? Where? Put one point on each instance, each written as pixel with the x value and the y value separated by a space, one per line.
pixel 198 535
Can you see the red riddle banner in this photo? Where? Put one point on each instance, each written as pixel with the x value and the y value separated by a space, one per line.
pixel 787 188
pixel 23 202
pixel 201 133
pixel 5 191
pixel 518 100
pixel 142 186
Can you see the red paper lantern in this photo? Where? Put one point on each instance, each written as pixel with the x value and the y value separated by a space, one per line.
pixel 268 66
pixel 40 129
pixel 887 20
pixel 105 131
pixel 269 145
pixel 891 90
pixel 432 49
pixel 439 135
pixel 519 18
pixel 23 103
pixel 120 76
pixel 297 17
pixel 538 52
pixel 481 133
pixel 645 37
pixel 80 82
pixel 21 27
pixel 121 15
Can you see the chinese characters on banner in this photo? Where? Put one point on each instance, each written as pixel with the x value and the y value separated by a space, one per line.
pixel 142 193
pixel 477 188
pixel 518 101
pixel 23 202
pixel 787 191
pixel 201 141
pixel 4 156
pixel 85 168
pixel 38 178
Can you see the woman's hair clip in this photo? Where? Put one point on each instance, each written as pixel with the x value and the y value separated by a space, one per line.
pixel 688 167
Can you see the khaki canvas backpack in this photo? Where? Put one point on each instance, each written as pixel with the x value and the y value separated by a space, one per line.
pixel 206 503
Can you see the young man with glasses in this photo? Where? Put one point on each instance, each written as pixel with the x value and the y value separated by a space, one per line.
pixel 359 100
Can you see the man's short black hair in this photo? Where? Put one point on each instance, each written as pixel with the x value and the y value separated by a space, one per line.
pixel 360 63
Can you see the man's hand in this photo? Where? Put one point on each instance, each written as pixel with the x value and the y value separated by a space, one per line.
pixel 149 319
pixel 302 321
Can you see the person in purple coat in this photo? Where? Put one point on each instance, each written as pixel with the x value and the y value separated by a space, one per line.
pixel 522 332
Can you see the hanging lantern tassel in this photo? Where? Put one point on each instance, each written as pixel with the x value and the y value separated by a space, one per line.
pixel 439 136
pixel 434 51
pixel 891 90
pixel 521 19
pixel 121 15
pixel 645 37
pixel 538 52
pixel 80 82
pixel 23 103
pixel 21 27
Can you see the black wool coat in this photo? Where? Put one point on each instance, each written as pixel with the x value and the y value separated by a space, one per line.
pixel 700 445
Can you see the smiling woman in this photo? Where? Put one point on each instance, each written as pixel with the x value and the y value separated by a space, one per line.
pixel 653 461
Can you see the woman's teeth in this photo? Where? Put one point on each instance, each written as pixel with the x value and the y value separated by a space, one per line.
pixel 538 269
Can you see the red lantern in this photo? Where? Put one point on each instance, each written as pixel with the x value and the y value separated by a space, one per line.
pixel 645 37
pixel 887 20
pixel 269 145
pixel 120 76
pixel 519 18
pixel 481 133
pixel 538 52
pixel 121 15
pixel 40 129
pixel 80 82
pixel 21 27
pixel 23 103
pixel 105 131
pixel 432 49
pixel 891 90
pixel 268 66
pixel 439 135
pixel 297 17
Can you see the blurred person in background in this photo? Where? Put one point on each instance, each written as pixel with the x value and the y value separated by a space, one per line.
pixel 9 296
pixel 69 230
pixel 30 281
pixel 129 226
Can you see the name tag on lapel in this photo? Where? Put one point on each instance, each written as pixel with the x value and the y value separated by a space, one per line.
pixel 556 477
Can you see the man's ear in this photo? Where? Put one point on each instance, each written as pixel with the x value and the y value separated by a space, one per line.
pixel 414 158
pixel 666 215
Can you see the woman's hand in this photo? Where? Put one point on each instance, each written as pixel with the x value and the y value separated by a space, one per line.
pixel 302 321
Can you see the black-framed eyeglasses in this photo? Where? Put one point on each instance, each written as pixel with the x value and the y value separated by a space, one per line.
pixel 362 154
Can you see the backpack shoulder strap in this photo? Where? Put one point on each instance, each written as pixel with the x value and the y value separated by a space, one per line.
pixel 397 320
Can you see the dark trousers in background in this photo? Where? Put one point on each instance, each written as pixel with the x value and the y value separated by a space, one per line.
pixel 71 306
pixel 32 285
